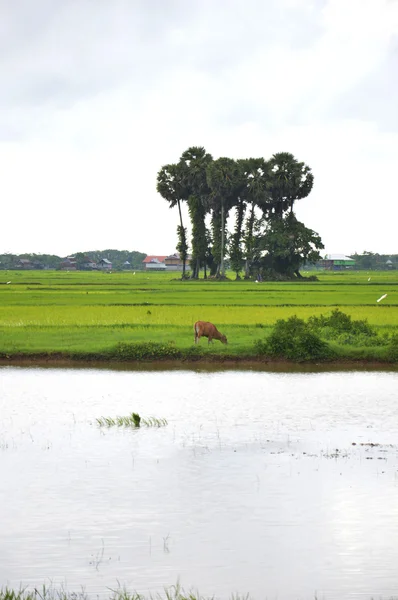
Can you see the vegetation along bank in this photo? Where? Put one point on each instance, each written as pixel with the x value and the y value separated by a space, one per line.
pixel 127 317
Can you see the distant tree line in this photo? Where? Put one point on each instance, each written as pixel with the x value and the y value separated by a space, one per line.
pixel 117 257
pixel 52 261
pixel 374 261
pixel 267 237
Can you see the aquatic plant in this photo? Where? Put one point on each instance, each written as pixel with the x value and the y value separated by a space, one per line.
pixel 133 420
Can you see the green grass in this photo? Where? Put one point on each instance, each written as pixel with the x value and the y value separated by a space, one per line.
pixel 91 314
pixel 133 420
pixel 175 592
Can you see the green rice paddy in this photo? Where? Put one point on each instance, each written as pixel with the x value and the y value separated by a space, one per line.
pixel 90 313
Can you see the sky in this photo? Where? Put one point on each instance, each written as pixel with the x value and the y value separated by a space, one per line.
pixel 97 95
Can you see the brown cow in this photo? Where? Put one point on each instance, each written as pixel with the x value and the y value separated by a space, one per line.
pixel 206 329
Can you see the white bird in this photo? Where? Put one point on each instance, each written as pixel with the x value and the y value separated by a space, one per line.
pixel 134 273
pixel 369 279
pixel 8 282
pixel 382 297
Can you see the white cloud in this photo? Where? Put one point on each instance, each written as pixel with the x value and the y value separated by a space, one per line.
pixel 95 104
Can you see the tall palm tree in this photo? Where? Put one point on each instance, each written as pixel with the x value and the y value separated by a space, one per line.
pixel 223 178
pixel 290 180
pixel 256 173
pixel 171 187
pixel 193 164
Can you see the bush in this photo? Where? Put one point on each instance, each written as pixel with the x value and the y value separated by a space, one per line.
pixel 340 327
pixel 144 351
pixel 338 322
pixel 293 339
pixel 392 350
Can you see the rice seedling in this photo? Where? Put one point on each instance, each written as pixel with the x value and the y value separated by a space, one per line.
pixel 133 420
pixel 154 422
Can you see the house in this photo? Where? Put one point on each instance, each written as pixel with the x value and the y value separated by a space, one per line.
pixel 126 265
pixel 174 262
pixel 104 264
pixel 68 264
pixel 87 264
pixel 337 262
pixel 24 263
pixel 154 263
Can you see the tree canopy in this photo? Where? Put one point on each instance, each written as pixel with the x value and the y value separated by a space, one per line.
pixel 260 194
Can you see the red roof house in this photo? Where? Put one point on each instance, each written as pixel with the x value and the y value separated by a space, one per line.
pixel 154 263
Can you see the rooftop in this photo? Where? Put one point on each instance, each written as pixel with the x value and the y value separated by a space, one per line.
pixel 337 257
pixel 153 258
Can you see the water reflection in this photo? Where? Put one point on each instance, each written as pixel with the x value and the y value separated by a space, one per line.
pixel 276 484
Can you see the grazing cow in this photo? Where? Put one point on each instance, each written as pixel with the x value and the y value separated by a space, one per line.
pixel 205 329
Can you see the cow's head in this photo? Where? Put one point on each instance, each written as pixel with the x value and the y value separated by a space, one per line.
pixel 223 339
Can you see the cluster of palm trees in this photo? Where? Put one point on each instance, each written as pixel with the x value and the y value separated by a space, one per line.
pixel 260 192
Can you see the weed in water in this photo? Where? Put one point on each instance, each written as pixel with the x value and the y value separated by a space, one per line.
pixel 134 420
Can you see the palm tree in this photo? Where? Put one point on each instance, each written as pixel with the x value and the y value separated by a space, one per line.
pixel 193 164
pixel 256 173
pixel 223 178
pixel 171 187
pixel 290 181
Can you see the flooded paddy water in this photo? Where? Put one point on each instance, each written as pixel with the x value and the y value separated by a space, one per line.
pixel 282 485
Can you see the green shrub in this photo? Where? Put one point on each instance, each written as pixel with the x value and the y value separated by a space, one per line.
pixel 293 339
pixel 261 347
pixel 344 330
pixel 338 322
pixel 144 351
pixel 392 350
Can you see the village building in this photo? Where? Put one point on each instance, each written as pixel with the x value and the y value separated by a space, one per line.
pixel 104 264
pixel 175 263
pixel 154 263
pixel 68 264
pixel 337 262
pixel 24 263
pixel 172 262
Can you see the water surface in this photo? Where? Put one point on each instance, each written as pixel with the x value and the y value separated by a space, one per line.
pixel 281 485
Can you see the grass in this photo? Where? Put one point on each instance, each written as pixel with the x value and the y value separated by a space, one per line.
pixel 175 592
pixel 121 316
pixel 133 420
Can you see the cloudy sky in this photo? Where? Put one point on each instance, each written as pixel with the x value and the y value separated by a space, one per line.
pixel 96 95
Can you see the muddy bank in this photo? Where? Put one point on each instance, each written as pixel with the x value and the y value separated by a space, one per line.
pixel 208 363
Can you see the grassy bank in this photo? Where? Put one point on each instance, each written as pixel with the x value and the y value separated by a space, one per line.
pixel 150 316
pixel 173 593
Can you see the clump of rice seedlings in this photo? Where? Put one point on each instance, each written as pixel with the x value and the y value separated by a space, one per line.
pixel 134 420
pixel 154 422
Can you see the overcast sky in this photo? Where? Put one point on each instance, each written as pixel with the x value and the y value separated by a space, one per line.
pixel 96 95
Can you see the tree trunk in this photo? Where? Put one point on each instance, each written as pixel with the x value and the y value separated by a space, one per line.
pixel 199 240
pixel 249 242
pixel 222 270
pixel 184 258
pixel 216 245
pixel 236 254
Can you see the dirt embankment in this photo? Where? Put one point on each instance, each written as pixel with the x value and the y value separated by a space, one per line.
pixel 209 362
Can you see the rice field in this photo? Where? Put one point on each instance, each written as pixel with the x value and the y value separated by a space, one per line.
pixel 51 311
